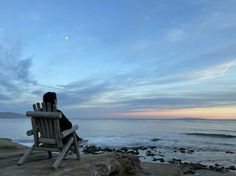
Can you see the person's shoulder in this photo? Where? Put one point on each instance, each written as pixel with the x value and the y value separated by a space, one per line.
pixel 58 110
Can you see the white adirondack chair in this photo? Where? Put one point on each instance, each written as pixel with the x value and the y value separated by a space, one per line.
pixel 47 134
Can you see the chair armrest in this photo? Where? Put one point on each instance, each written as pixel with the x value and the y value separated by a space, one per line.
pixel 29 132
pixel 69 131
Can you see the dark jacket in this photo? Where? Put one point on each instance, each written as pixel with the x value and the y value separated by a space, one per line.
pixel 65 124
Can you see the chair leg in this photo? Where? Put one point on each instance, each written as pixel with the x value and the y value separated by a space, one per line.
pixel 49 154
pixel 25 156
pixel 76 147
pixel 63 152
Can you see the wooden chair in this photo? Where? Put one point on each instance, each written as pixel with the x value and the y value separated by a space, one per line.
pixel 47 134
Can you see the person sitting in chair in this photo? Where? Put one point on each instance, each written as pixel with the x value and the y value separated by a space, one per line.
pixel 51 97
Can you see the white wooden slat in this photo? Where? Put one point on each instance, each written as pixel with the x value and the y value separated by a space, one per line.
pixel 34 107
pixel 43 128
pixel 54 108
pixel 76 147
pixel 49 107
pixel 43 106
pixel 57 132
pixel 35 130
pixel 35 124
pixel 41 122
pixel 38 106
pixel 46 121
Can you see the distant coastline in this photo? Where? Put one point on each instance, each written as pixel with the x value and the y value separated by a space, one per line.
pixel 12 115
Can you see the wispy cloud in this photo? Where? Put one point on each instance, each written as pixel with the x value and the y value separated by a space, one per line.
pixel 15 75
pixel 216 71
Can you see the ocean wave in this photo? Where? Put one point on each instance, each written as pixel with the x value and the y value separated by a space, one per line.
pixel 212 135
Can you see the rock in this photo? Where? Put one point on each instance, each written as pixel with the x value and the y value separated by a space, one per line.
pixel 161 160
pixel 6 143
pixel 119 164
pixel 150 153
pixel 125 149
pixel 175 161
pixel 182 150
pixel 229 152
pixel 152 147
pixel 108 149
pixel 155 140
pixel 91 149
pixel 154 159
pixel 133 152
pixel 109 164
pixel 231 168
pixel 190 151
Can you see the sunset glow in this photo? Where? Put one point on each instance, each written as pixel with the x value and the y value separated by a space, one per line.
pixel 206 113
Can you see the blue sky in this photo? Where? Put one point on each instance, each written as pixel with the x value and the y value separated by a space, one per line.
pixel 114 58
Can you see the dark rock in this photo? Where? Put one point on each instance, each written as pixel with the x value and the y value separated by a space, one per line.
pixel 182 150
pixel 190 151
pixel 91 149
pixel 125 149
pixel 152 147
pixel 161 160
pixel 154 159
pixel 196 166
pixel 155 140
pixel 161 155
pixel 150 153
pixel 217 168
pixel 231 168
pixel 107 149
pixel 175 161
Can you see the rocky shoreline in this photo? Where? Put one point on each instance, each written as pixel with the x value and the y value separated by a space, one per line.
pixel 97 161
pixel 187 167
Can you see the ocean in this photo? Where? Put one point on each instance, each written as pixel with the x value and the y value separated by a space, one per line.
pixel 210 141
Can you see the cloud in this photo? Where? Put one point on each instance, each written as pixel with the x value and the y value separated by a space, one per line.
pixel 215 71
pixel 15 74
pixel 130 92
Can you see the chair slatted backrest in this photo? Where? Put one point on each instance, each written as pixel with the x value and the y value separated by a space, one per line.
pixel 46 129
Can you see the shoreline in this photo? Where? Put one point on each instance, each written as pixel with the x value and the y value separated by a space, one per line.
pixel 12 151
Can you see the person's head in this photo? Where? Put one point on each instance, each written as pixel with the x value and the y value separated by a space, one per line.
pixel 50 97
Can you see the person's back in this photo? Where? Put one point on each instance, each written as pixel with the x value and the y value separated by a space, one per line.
pixel 51 97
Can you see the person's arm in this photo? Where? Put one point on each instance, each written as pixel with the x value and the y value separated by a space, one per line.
pixel 64 122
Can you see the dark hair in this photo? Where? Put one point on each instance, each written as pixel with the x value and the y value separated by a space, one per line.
pixel 49 97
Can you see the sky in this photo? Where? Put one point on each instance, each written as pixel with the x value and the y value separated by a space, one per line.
pixel 120 59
